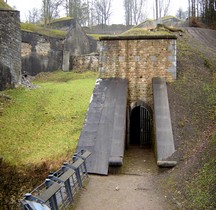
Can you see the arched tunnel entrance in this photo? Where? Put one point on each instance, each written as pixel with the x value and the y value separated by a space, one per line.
pixel 140 125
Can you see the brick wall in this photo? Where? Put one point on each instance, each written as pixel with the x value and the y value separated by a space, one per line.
pixel 10 47
pixel 138 59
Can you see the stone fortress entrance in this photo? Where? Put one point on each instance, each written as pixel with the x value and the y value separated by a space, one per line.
pixel 130 99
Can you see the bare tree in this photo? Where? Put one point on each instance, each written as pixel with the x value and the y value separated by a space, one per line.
pixel 92 16
pixel 134 11
pixel 128 12
pixel 33 15
pixel 50 10
pixel 164 6
pixel 82 10
pixel 202 9
pixel 103 11
pixel 156 9
pixel 181 14
pixel 138 9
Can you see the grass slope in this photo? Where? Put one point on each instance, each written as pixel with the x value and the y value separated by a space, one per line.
pixel 28 27
pixel 191 185
pixel 5 6
pixel 143 31
pixel 44 124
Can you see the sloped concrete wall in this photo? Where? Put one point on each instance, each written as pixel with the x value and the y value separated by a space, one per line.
pixel 10 47
pixel 164 142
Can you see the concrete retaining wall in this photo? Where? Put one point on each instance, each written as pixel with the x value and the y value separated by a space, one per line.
pixel 164 143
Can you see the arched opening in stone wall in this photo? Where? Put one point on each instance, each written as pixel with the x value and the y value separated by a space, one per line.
pixel 140 124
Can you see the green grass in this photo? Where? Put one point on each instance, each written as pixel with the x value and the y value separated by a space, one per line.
pixel 5 6
pixel 97 36
pixel 201 191
pixel 142 31
pixel 42 30
pixel 61 19
pixel 44 124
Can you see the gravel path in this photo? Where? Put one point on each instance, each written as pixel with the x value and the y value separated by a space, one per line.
pixel 131 188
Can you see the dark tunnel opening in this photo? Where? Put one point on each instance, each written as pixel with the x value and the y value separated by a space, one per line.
pixel 141 126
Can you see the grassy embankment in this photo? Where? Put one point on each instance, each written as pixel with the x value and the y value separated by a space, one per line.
pixel 44 124
pixel 5 6
pixel 39 130
pixel 33 28
pixel 191 185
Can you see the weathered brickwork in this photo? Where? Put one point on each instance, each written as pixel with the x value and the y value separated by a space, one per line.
pixel 139 60
pixel 10 47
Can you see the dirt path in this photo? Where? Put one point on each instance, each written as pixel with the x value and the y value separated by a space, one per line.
pixel 131 188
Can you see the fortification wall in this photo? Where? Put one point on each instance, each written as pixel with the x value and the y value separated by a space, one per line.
pixel 86 62
pixel 139 59
pixel 10 47
pixel 76 43
pixel 40 53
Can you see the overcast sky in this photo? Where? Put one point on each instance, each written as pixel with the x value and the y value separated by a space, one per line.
pixel 117 7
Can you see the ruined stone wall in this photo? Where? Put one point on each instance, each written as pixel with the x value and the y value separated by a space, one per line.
pixel 10 47
pixel 86 62
pixel 139 59
pixel 40 53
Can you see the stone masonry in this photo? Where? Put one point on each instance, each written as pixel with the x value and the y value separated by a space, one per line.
pixel 10 47
pixel 139 59
pixel 86 62
pixel 40 53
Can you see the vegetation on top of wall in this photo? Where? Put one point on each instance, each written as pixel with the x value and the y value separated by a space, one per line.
pixel 96 36
pixel 151 22
pixel 43 31
pixel 5 6
pixel 61 19
pixel 142 31
pixel 143 22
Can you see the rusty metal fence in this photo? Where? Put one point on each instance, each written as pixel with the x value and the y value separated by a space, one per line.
pixel 58 190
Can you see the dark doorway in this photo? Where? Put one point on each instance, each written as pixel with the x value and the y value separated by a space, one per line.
pixel 141 126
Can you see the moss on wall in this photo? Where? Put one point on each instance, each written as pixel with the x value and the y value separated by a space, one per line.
pixel 4 6
pixel 43 31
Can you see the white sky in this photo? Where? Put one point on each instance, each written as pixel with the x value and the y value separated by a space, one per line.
pixel 117 7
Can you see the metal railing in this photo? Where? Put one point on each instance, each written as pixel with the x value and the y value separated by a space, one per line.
pixel 58 190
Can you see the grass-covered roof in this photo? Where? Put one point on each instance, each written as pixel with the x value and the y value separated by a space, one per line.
pixel 43 31
pixel 61 19
pixel 5 6
pixel 143 31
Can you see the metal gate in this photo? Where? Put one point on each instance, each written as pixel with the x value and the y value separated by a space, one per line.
pixel 145 126
pixel 140 118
